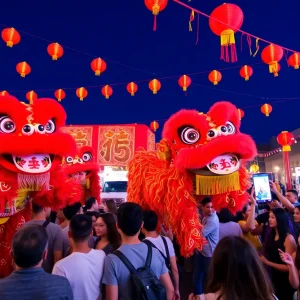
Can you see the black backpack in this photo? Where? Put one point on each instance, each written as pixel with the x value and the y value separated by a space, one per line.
pixel 145 284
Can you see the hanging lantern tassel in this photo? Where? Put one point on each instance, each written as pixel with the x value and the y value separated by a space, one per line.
pixel 228 40
pixel 192 18
pixel 273 68
pixel 155 11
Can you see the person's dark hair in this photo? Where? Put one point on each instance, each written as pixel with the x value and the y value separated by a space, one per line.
pixel 92 214
pixel 36 208
pixel 81 228
pixel 89 202
pixel 242 274
pixel 28 245
pixel 294 192
pixel 274 196
pixel 130 218
pixel 113 235
pixel 71 210
pixel 205 201
pixel 150 220
pixel 112 207
pixel 225 215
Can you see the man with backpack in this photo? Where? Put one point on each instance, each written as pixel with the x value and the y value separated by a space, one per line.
pixel 163 244
pixel 136 270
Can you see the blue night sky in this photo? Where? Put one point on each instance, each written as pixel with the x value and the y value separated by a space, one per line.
pixel 121 33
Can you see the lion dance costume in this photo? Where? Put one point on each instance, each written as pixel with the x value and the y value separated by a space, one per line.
pixel 83 170
pixel 31 151
pixel 200 155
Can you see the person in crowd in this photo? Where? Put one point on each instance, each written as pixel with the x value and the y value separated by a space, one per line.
pixel 110 207
pixel 236 273
pixel 289 202
pixel 251 229
pixel 108 237
pixel 279 238
pixel 163 244
pixel 91 204
pixel 226 226
pixel 69 213
pixel 29 280
pixel 94 215
pixel 54 232
pixel 84 267
pixel 210 231
pixel 117 277
pixel 61 219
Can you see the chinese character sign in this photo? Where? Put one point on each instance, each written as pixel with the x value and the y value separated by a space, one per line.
pixel 115 145
pixel 81 134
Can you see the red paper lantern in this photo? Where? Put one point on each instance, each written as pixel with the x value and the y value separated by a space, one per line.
pixel 285 139
pixel 10 36
pixel 31 96
pixel 154 86
pixel 4 93
pixel 271 55
pixel 55 50
pixel 132 88
pixel 98 65
pixel 240 113
pixel 266 109
pixel 215 77
pixel 107 91
pixel 156 6
pixel 232 18
pixel 23 68
pixel 294 60
pixel 184 82
pixel 154 126
pixel 81 93
pixel 246 72
pixel 60 95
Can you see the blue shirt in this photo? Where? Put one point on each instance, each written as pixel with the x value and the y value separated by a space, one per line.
pixel 34 284
pixel 210 231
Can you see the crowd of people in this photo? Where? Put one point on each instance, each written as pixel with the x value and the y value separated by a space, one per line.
pixel 92 252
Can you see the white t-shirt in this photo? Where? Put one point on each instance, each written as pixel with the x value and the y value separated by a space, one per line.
pixel 84 272
pixel 159 243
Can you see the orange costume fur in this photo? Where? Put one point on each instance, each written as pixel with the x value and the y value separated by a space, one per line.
pixel 83 170
pixel 200 155
pixel 31 151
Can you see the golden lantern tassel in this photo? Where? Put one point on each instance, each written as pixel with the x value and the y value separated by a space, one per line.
pixel 273 68
pixel 192 17
pixel 227 37
pixel 257 47
pixel 286 148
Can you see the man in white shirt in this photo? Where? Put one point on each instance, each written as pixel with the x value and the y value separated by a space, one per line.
pixel 84 267
pixel 163 244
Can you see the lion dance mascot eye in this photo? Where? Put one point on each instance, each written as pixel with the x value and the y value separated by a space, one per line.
pixel 83 170
pixel 200 155
pixel 31 151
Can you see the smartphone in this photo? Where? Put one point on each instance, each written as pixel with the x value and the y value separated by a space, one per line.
pixel 261 182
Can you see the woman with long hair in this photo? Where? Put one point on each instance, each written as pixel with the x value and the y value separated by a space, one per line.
pixel 109 238
pixel 110 207
pixel 279 238
pixel 236 273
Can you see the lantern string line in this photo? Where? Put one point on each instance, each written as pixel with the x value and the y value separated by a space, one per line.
pixel 223 23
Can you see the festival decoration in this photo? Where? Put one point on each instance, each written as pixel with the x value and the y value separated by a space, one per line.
pixel 23 68
pixel 132 88
pixel 294 60
pixel 107 91
pixel 31 96
pixel 254 168
pixel 55 50
pixel 156 6
pixel 98 65
pixel 81 93
pixel 271 55
pixel 154 86
pixel 11 36
pixel 60 95
pixel 83 170
pixel 215 77
pixel 199 155
pixel 30 166
pixel 184 82
pixel 246 72
pixel 224 21
pixel 4 93
pixel 266 109
pixel 154 126
pixel 240 113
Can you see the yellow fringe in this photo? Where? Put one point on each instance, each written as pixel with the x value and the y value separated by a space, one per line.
pixel 227 37
pixel 88 183
pixel 214 185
